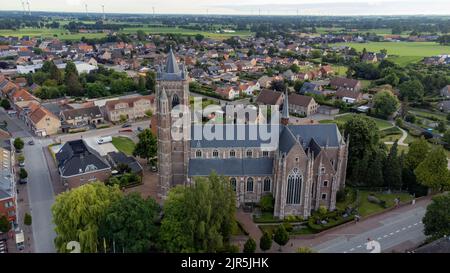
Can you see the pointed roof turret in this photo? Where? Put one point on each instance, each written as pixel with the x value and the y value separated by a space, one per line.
pixel 285 113
pixel 172 64
pixel 163 95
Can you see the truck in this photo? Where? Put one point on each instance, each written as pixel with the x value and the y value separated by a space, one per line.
pixel 104 139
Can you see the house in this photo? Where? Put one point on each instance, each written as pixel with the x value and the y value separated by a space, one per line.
pixel 115 159
pixel 8 201
pixel 129 108
pixel 347 84
pixel 289 75
pixel 43 122
pixel 227 92
pixel 348 96
pixel 265 81
pixel 302 105
pixel 249 88
pixel 269 97
pixel 326 70
pixel 369 57
pixel 444 106
pixel 445 92
pixel 311 88
pixel 82 116
pixel 79 164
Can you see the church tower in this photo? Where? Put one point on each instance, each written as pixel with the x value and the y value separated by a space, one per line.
pixel 173 155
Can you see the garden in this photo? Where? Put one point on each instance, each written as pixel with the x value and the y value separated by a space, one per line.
pixel 124 144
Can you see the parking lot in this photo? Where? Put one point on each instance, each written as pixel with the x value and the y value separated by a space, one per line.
pixel 102 149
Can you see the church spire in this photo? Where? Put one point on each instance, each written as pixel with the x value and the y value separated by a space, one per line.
pixel 172 64
pixel 285 113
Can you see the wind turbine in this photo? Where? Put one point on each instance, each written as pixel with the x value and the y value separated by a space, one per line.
pixel 23 7
pixel 86 7
pixel 153 8
pixel 29 10
pixel 103 8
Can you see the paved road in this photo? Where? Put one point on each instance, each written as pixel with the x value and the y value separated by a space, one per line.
pixel 40 190
pixel 394 231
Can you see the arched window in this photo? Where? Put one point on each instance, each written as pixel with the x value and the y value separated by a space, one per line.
pixel 249 153
pixel 325 183
pixel 175 100
pixel 294 187
pixel 215 154
pixel 232 153
pixel 233 183
pixel 250 184
pixel 267 183
pixel 265 154
pixel 198 153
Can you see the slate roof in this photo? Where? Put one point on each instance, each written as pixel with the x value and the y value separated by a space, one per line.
pixel 117 158
pixel 75 158
pixel 323 134
pixel 92 112
pixel 231 167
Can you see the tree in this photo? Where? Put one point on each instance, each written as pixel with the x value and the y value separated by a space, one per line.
pixel 199 37
pixel 199 218
pixel 364 137
pixel 151 81
pixel 18 144
pixel 417 152
pixel 5 104
pixel 131 223
pixel 305 250
pixel 266 203
pixel 141 35
pixel 393 169
pixel 278 85
pixel 298 84
pixel 295 68
pixel 250 246
pixel 55 73
pixel 446 137
pixel 73 85
pixel 27 220
pixel 96 90
pixel 141 85
pixel 441 126
pixel 374 175
pixel 147 145
pixel 437 217
pixel 281 236
pixel 5 226
pixel 385 103
pixel 23 173
pixel 412 90
pixel 265 243
pixel 78 213
pixel 433 170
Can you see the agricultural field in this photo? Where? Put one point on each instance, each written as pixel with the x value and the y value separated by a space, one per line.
pixel 64 34
pixel 406 52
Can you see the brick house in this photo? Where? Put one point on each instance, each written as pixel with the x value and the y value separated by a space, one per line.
pixel 302 105
pixel 78 164
pixel 347 84
pixel 131 108
pixel 7 178
pixel 43 122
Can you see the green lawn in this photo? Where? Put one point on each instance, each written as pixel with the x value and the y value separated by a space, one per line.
pixel 368 208
pixel 123 144
pixel 407 52
pixel 381 124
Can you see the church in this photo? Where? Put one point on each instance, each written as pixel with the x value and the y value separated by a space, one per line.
pixel 303 173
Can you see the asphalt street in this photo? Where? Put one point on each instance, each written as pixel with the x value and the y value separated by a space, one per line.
pixel 40 190
pixel 393 231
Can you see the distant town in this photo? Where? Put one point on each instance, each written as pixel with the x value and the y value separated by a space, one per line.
pixel 86 118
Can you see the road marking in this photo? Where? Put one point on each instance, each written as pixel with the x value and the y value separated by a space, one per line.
pixel 409 226
pixel 359 246
pixel 345 251
pixel 420 222
pixel 379 238
pixel 397 231
pixel 415 224
pixel 404 228
pixel 351 249
pixel 385 236
pixel 392 233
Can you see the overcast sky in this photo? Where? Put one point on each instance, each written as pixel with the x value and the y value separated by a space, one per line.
pixel 250 7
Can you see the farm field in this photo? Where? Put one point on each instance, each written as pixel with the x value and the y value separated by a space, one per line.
pixel 407 52
pixel 64 34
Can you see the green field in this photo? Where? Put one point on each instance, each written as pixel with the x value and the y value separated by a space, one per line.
pixel 406 52
pixel 64 34
pixel 123 144
pixel 342 119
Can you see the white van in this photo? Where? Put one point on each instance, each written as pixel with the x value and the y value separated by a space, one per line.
pixel 105 139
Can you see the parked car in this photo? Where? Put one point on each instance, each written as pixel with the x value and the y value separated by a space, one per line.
pixel 104 139
pixel 31 142
pixel 126 125
pixel 22 164
pixel 126 131
pixel 23 181
pixel 154 169
pixel 140 129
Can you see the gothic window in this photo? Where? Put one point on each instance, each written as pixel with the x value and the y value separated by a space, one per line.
pixel 232 153
pixel 322 170
pixel 215 154
pixel 325 183
pixel 233 184
pixel 265 154
pixel 267 183
pixel 249 153
pixel 175 100
pixel 198 153
pixel 250 184
pixel 294 185
pixel 324 196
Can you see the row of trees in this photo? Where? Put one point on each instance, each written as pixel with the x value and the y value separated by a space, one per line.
pixel 55 83
pixel 370 164
pixel 101 218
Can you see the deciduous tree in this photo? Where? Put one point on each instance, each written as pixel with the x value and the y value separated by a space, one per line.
pixel 437 217
pixel 147 145
pixel 433 170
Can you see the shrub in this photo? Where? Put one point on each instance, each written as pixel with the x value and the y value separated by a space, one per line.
pixel 265 243
pixel 23 173
pixel 18 144
pixel 323 210
pixel 340 196
pixel 266 203
pixel 27 220
pixel 250 246
pixel 288 227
